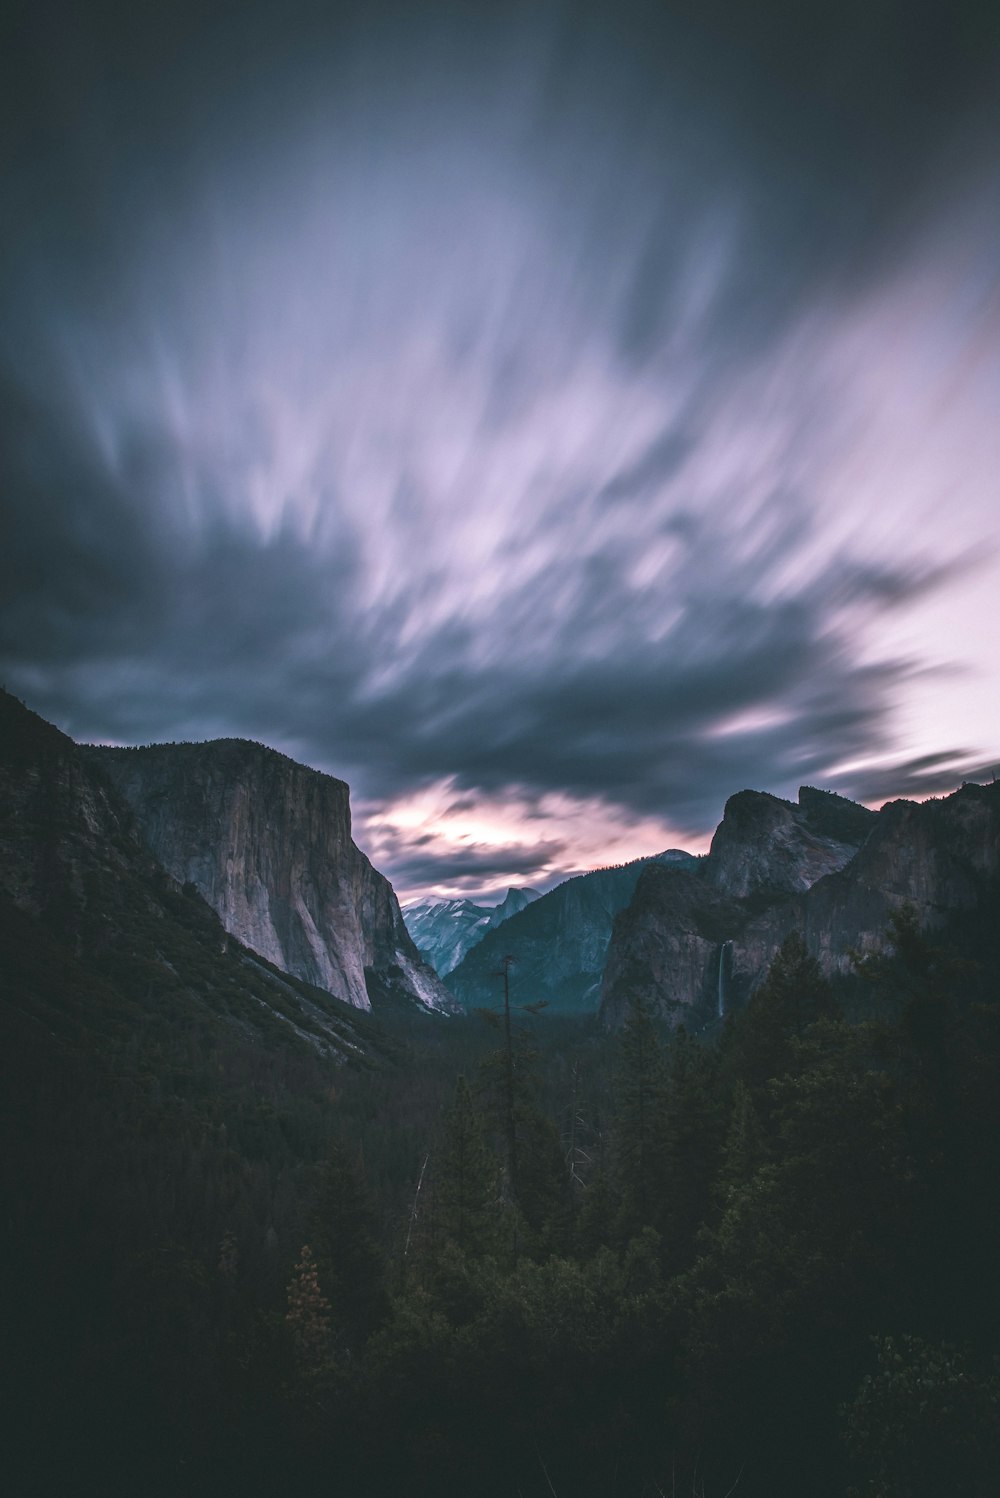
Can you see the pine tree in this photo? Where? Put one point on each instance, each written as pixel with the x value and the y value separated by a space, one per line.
pixel 792 996
pixel 467 1179
pixel 745 1148
pixel 640 1130
pixel 309 1314
pixel 350 1259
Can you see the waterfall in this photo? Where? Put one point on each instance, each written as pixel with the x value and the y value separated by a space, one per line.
pixel 722 978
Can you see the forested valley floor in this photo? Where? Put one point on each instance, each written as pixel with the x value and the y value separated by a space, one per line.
pixel 759 1261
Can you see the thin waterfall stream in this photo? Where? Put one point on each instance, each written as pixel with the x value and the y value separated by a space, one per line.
pixel 722 978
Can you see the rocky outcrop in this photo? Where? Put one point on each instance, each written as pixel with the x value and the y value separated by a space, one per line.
pixel 667 945
pixel 694 944
pixel 559 943
pixel 513 902
pixel 766 846
pixel 267 842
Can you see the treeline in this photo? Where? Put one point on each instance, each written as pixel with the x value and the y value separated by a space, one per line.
pixel 541 1262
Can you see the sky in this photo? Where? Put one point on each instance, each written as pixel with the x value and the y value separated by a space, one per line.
pixel 550 418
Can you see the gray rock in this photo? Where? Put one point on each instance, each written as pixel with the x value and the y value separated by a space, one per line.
pixel 267 842
pixel 692 942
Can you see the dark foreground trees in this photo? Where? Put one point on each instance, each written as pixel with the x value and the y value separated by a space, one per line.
pixel 772 1272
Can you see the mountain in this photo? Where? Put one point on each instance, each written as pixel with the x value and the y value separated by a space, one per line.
pixel 267 842
pixel 95 934
pixel 559 943
pixel 167 1099
pixel 694 942
pixel 444 930
pixel 513 902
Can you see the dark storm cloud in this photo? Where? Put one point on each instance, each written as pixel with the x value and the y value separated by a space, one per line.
pixel 472 866
pixel 450 396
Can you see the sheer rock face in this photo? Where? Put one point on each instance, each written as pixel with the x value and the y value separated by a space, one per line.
pixel 764 844
pixel 940 856
pixel 267 842
pixel 96 936
pixel 666 946
pixel 696 942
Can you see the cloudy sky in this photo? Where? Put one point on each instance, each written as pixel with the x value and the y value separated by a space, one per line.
pixel 549 417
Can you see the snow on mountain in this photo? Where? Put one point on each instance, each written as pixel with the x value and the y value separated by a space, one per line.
pixel 444 930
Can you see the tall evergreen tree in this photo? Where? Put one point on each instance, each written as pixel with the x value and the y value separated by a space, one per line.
pixel 792 996
pixel 345 1242
pixel 640 1126
pixel 467 1178
pixel 745 1148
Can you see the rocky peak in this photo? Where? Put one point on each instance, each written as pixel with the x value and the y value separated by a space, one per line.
pixel 767 846
pixel 513 901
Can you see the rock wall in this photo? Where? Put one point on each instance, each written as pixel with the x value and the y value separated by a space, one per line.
pixel 827 868
pixel 268 844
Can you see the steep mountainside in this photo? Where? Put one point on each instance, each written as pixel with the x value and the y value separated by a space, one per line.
pixel 82 897
pixel 444 930
pixel 166 1101
pixel 559 943
pixel 267 842
pixel 694 944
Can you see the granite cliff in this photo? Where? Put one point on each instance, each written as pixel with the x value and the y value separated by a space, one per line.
pixel 98 940
pixel 267 842
pixel 695 942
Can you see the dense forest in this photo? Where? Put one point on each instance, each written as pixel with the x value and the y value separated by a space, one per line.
pixel 511 1259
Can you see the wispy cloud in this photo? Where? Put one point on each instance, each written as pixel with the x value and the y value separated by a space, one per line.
pixel 532 412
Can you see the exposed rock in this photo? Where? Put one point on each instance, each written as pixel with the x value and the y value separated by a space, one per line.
pixel 82 896
pixel 666 944
pixel 694 943
pixel 267 842
pixel 765 846
pixel 513 902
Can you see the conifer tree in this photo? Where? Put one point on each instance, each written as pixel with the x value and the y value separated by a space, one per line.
pixel 745 1148
pixel 350 1260
pixel 792 996
pixel 468 1184
pixel 309 1314
pixel 640 1131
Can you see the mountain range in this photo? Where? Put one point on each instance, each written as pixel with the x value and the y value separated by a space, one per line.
pixel 250 855
pixel 444 930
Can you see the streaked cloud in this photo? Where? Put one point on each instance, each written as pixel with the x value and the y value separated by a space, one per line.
pixel 556 417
